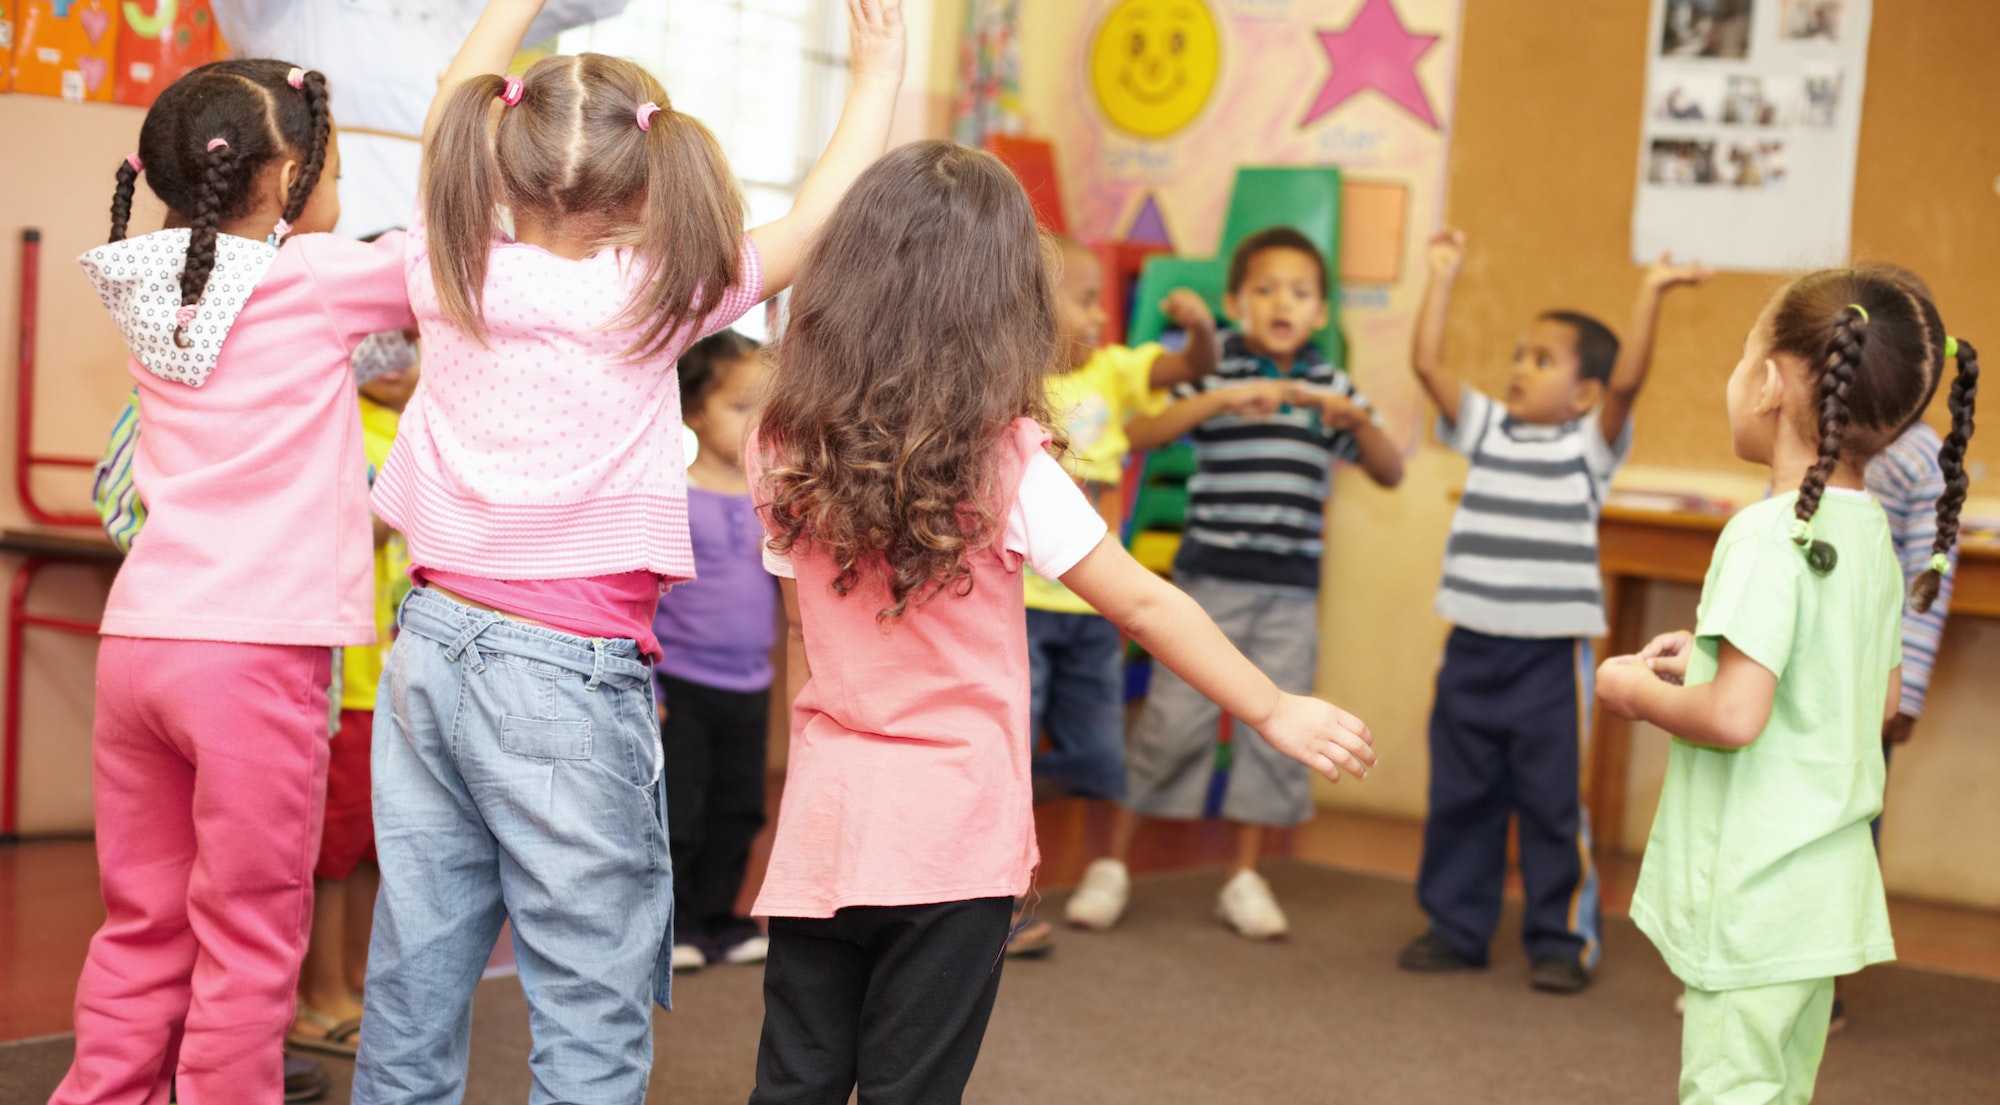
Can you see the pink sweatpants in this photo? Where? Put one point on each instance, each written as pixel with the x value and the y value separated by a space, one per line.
pixel 210 780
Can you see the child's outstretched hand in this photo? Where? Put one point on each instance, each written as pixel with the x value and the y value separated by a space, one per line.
pixel 1321 736
pixel 1446 253
pixel 876 41
pixel 1187 310
pixel 1664 275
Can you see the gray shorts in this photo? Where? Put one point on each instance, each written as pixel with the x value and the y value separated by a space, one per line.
pixel 1171 758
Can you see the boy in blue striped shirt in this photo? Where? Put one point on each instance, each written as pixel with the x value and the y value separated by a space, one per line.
pixel 1267 424
pixel 1524 595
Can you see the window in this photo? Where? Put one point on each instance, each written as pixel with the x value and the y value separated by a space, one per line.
pixel 767 76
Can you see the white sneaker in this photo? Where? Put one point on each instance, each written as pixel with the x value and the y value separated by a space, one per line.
pixel 687 957
pixel 754 950
pixel 1100 901
pixel 1247 906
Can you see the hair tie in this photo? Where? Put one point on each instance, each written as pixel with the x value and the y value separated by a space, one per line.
pixel 1859 310
pixel 1802 531
pixel 296 78
pixel 279 231
pixel 511 94
pixel 215 143
pixel 1941 564
pixel 185 315
pixel 646 112
pixel 1950 348
pixel 132 159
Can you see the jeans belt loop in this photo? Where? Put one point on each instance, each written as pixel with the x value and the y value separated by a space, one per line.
pixel 596 664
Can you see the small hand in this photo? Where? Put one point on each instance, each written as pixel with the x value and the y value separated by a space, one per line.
pixel 1321 736
pixel 1898 729
pixel 1618 682
pixel 1667 655
pixel 1664 275
pixel 876 40
pixel 1260 398
pixel 1338 411
pixel 1187 310
pixel 1446 253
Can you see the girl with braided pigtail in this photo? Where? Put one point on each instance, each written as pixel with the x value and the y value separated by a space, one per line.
pixel 210 738
pixel 1760 884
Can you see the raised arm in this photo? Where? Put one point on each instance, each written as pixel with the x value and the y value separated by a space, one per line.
pixel 1201 354
pixel 876 46
pixel 1635 356
pixel 1153 431
pixel 490 48
pixel 1444 258
pixel 1171 627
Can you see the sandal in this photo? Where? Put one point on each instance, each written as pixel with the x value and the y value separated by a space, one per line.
pixel 1031 941
pixel 328 1036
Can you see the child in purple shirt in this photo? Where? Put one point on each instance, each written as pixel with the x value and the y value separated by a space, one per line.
pixel 714 673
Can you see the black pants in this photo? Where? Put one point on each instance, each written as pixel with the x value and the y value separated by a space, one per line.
pixel 892 999
pixel 1505 740
pixel 714 742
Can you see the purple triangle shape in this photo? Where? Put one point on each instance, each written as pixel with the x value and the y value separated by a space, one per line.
pixel 1149 225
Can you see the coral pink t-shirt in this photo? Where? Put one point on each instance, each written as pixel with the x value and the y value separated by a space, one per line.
pixel 250 460
pixel 907 781
pixel 611 606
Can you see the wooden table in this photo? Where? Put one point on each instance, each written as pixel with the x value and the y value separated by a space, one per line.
pixel 1641 546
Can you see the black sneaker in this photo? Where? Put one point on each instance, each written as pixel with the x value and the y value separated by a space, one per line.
pixel 305 1080
pixel 1555 974
pixel 1429 954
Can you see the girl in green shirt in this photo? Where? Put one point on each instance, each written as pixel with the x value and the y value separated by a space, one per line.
pixel 1759 884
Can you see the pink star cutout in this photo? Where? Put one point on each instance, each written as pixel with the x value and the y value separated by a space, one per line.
pixel 1375 51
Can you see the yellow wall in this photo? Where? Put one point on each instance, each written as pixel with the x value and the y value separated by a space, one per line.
pixel 1545 132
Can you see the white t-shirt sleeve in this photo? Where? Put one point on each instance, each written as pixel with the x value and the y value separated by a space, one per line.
pixel 1052 525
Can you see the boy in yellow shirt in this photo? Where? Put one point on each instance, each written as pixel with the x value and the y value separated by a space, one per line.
pixel 1075 656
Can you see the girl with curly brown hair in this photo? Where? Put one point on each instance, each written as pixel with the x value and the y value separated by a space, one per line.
pixel 902 465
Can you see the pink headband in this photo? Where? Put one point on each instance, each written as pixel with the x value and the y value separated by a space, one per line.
pixel 511 94
pixel 296 78
pixel 646 112
pixel 132 159
pixel 215 143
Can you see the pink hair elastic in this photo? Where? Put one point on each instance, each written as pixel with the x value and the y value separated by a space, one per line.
pixel 296 78
pixel 132 159
pixel 646 112
pixel 217 143
pixel 280 231
pixel 511 94
pixel 185 315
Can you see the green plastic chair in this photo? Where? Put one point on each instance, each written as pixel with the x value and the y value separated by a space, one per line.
pixel 1205 276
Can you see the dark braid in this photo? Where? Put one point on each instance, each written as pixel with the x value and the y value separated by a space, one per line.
pixel 314 91
pixel 121 199
pixel 1951 458
pixel 214 198
pixel 1836 383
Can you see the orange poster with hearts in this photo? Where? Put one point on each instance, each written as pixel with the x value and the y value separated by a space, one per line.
pixel 66 48
pixel 157 47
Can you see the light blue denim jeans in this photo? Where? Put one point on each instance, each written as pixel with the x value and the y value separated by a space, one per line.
pixel 517 778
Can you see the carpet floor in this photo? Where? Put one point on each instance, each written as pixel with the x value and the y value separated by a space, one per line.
pixel 1172 1008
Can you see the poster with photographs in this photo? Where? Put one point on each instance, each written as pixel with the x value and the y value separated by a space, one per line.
pixel 1752 119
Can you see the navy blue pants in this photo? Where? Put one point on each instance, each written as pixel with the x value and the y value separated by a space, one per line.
pixel 1076 687
pixel 1505 740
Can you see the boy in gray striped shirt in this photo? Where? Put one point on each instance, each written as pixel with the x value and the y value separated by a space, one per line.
pixel 1523 592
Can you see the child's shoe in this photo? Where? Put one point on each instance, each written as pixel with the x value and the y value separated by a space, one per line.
pixel 1558 974
pixel 1100 901
pixel 688 957
pixel 1429 954
pixel 1247 906
pixel 750 950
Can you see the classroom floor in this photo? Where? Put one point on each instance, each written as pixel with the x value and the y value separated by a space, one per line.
pixel 49 904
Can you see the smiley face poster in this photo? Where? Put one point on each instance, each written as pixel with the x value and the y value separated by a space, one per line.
pixel 1152 105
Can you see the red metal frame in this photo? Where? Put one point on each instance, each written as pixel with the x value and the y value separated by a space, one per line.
pixel 26 460
pixel 18 621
